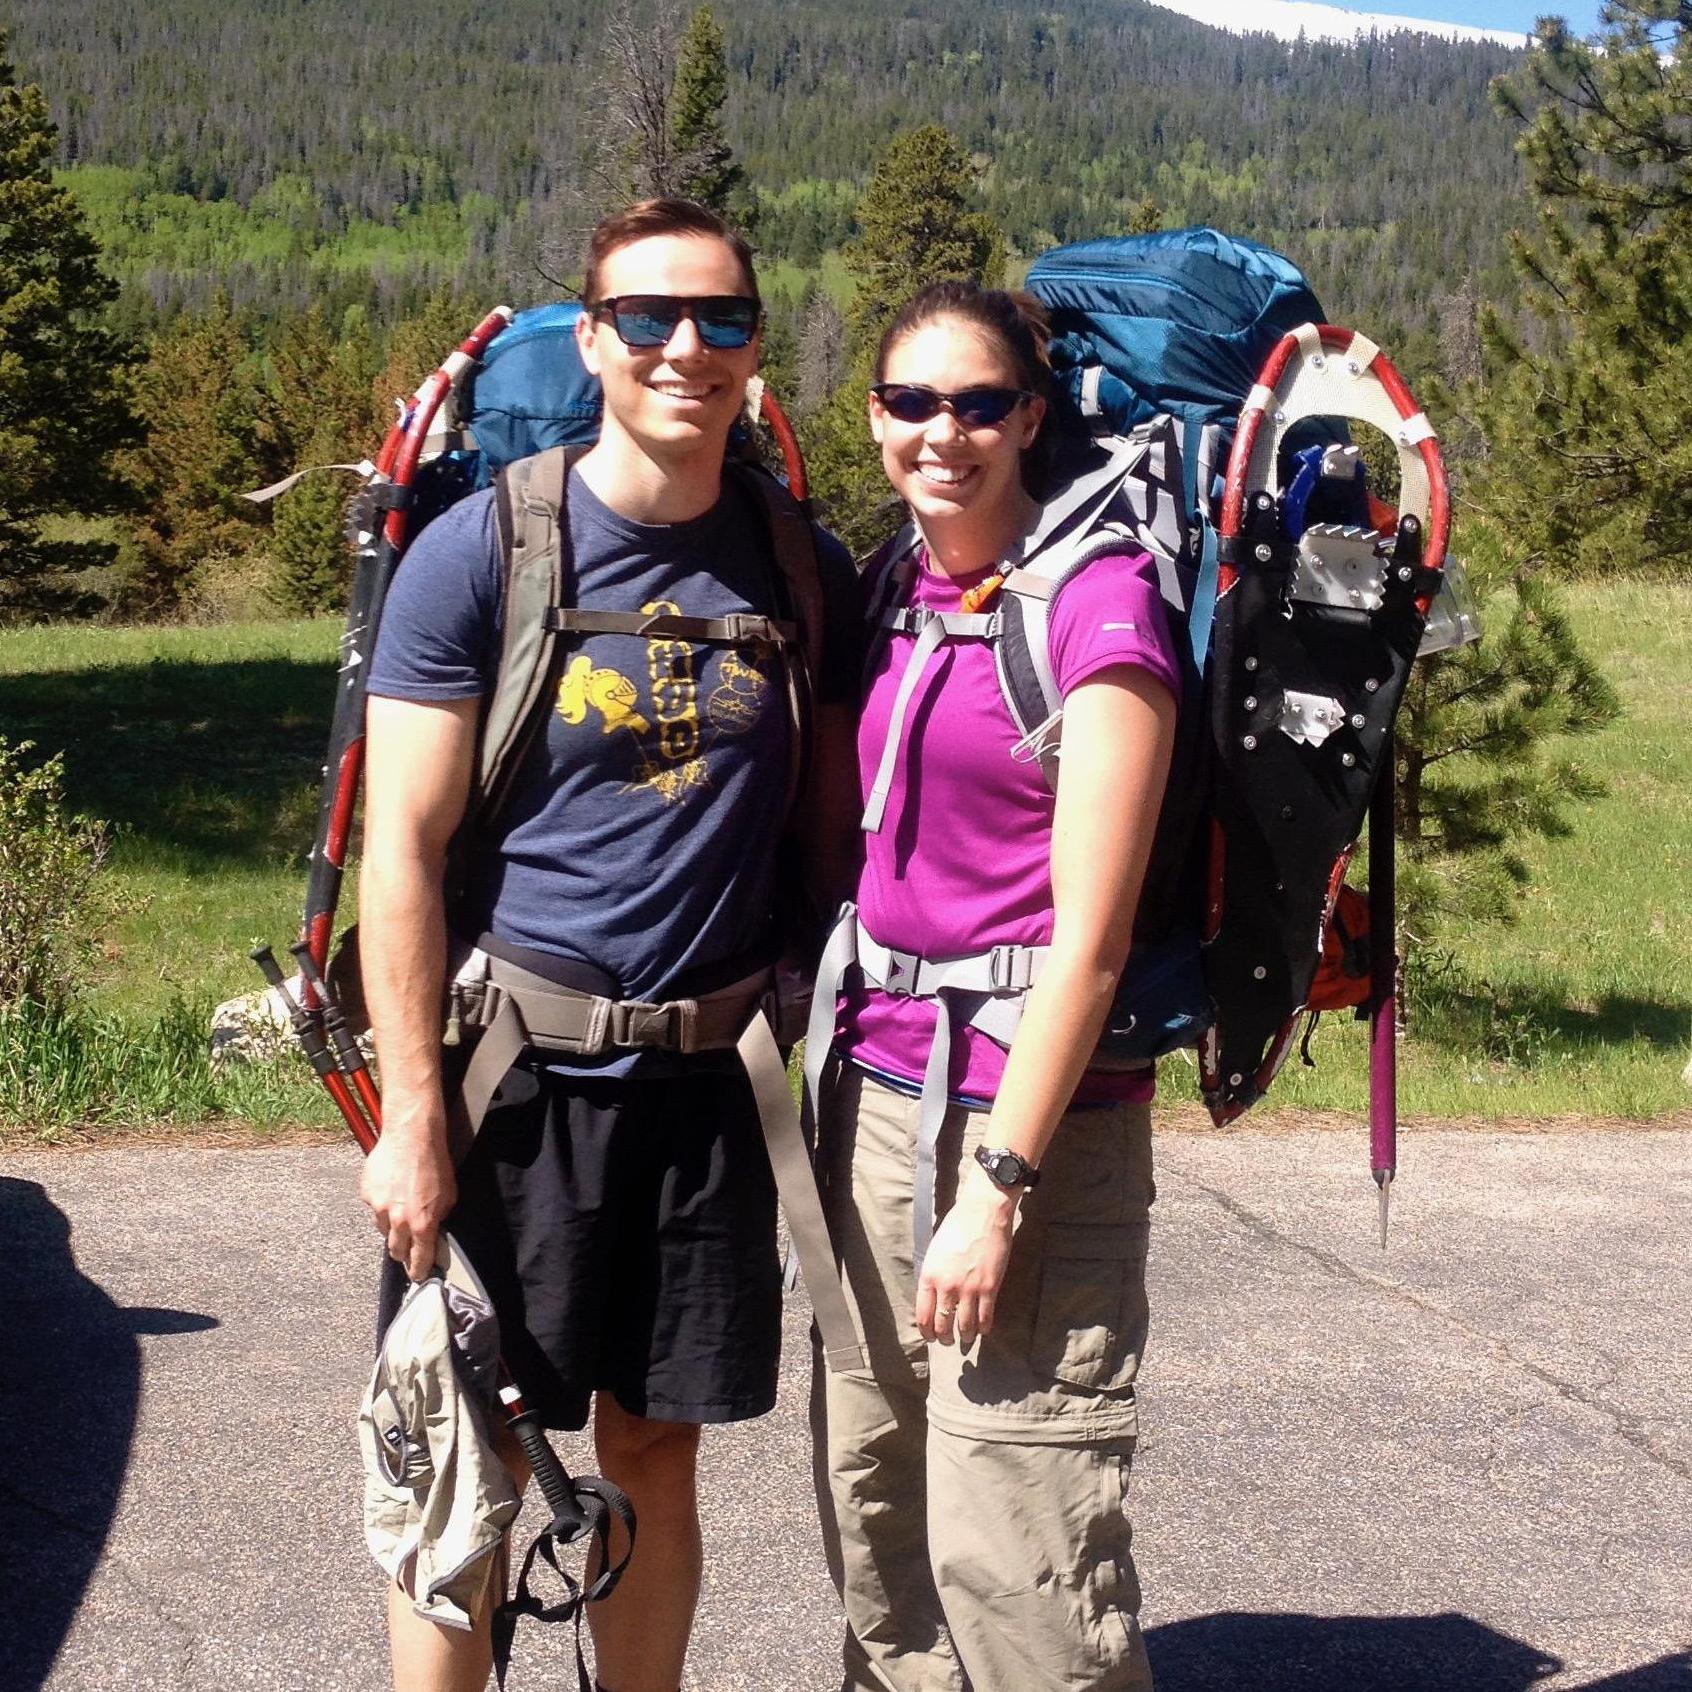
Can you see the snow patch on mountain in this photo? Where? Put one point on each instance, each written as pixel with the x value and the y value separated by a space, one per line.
pixel 1288 19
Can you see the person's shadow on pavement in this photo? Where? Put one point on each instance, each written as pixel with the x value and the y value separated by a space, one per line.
pixel 1243 1652
pixel 70 1377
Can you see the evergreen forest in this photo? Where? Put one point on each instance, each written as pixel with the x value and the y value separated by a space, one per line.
pixel 280 151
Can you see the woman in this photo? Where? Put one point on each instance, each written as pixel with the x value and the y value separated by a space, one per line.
pixel 976 1474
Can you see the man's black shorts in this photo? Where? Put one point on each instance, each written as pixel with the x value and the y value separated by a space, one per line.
pixel 625 1230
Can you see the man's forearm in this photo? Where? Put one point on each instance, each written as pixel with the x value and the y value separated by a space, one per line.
pixel 403 945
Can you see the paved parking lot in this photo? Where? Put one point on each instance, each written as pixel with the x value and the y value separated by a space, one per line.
pixel 1461 1466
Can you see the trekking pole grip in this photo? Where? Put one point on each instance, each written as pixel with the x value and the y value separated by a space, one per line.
pixel 569 1520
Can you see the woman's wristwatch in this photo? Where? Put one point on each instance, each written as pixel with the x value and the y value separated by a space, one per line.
pixel 1007 1170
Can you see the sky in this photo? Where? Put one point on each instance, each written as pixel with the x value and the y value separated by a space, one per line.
pixel 1487 14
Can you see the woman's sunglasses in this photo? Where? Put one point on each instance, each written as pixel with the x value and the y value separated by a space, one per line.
pixel 724 321
pixel 974 408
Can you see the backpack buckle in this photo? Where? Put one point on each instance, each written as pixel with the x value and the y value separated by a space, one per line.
pixel 745 628
pixel 901 974
pixel 669 1027
pixel 1010 969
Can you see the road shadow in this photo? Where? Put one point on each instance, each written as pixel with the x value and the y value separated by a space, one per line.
pixel 1239 1651
pixel 70 1378
pixel 209 760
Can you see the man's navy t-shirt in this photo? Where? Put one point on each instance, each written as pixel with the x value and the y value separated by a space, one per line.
pixel 642 829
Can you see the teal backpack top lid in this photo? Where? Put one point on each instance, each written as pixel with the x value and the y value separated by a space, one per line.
pixel 1177 322
pixel 532 390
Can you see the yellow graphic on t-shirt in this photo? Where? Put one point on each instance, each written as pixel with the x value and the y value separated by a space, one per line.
pixel 670 759
pixel 609 692
pixel 735 701
pixel 675 766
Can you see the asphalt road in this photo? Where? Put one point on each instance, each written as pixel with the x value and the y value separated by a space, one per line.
pixel 1461 1466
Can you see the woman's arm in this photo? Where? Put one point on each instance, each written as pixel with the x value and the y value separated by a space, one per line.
pixel 1118 730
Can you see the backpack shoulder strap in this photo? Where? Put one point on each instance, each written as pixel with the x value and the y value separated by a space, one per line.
pixel 798 574
pixel 530 508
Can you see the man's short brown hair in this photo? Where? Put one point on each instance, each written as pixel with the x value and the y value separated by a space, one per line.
pixel 661 217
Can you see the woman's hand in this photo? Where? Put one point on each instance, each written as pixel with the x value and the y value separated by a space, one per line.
pixel 965 1265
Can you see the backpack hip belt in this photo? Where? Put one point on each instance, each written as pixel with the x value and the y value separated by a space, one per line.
pixel 994 982
pixel 518 1010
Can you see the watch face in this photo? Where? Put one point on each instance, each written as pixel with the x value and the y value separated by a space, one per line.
pixel 1006 1167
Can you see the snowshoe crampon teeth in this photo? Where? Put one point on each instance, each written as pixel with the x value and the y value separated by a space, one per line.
pixel 1340 565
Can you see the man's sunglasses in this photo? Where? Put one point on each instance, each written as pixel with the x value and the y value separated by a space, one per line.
pixel 974 408
pixel 724 321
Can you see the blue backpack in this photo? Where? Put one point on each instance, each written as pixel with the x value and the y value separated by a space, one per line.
pixel 1157 340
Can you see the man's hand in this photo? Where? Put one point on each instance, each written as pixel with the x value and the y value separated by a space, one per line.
pixel 965 1265
pixel 409 1187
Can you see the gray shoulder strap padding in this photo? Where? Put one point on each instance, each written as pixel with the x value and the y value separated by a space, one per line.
pixel 534 496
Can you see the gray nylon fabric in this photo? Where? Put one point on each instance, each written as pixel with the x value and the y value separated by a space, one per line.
pixel 437 1498
pixel 530 1011
pixel 994 984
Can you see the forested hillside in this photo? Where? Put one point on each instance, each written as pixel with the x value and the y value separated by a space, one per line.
pixel 291 149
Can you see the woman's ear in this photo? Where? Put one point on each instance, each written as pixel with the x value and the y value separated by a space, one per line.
pixel 1036 415
pixel 877 420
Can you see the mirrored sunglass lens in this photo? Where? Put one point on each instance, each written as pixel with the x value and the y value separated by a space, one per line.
pixel 727 322
pixel 647 323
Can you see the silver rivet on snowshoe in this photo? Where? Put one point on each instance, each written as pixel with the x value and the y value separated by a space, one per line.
pixel 1259 974
pixel 1250 743
pixel 1318 363
pixel 1236 1080
pixel 1280 417
pixel 1404 572
pixel 1371 686
pixel 1263 552
pixel 1251 701
pixel 1354 367
pixel 1263 501
pixel 1347 759
pixel 1358 719
pixel 1251 663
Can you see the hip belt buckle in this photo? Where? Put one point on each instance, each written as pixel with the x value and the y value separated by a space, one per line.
pixel 901 973
pixel 668 1027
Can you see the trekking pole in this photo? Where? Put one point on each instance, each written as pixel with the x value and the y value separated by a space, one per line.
pixel 579 1508
pixel 382 517
pixel 1383 985
pixel 316 1049
pixel 348 1053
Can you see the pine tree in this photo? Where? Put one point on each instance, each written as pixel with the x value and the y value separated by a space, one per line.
pixel 319 414
pixel 1587 410
pixel 64 404
pixel 915 226
pixel 207 443
pixel 705 166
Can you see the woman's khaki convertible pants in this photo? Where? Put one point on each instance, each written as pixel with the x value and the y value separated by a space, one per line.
pixel 974 1506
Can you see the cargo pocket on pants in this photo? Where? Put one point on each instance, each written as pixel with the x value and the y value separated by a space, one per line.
pixel 1090 1319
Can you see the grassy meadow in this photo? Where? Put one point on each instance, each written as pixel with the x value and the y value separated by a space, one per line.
pixel 201 748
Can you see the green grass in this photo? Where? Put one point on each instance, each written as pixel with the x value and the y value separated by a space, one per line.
pixel 202 747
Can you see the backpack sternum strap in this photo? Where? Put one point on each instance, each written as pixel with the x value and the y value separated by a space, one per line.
pixel 740 629
pixel 931 627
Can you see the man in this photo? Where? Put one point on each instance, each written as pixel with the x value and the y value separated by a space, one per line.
pixel 620 1208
